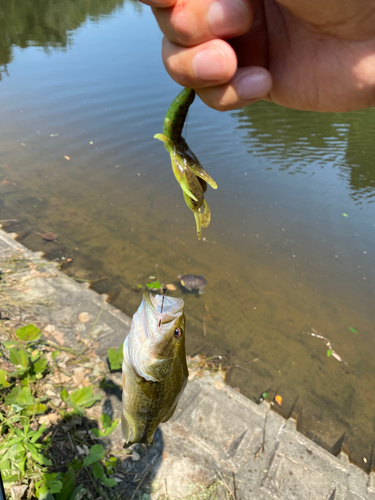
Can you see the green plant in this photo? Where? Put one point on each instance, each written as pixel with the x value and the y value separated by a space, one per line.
pixel 108 426
pixel 25 458
pixel 115 357
pixel 154 285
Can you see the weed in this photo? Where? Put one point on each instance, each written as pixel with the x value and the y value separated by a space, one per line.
pixel 26 450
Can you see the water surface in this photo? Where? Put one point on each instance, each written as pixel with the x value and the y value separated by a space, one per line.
pixel 292 242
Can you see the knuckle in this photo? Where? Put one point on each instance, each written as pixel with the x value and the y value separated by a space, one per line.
pixel 181 28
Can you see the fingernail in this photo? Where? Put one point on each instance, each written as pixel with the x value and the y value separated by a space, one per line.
pixel 226 17
pixel 253 85
pixel 210 64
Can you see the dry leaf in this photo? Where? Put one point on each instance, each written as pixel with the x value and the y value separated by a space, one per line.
pixel 60 378
pixel 66 157
pixel 59 337
pixel 279 400
pixel 17 492
pixel 49 328
pixel 171 287
pixel 69 259
pixel 83 317
pixel 50 419
pixel 79 376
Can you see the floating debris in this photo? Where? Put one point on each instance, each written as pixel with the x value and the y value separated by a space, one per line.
pixel 330 351
pixel 279 400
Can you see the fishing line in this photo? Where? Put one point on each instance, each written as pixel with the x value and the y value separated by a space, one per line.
pixel 171 235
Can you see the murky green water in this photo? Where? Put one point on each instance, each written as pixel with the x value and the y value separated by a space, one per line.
pixel 292 242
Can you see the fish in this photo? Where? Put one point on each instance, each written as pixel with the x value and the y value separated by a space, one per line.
pixel 154 368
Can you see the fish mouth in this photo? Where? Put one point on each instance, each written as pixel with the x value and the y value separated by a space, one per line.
pixel 172 307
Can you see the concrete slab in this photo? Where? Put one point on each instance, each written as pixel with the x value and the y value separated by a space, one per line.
pixel 216 436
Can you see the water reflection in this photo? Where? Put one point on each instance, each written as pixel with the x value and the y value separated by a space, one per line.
pixel 47 23
pixel 299 142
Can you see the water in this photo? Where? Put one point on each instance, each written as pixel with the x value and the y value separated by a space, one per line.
pixel 292 242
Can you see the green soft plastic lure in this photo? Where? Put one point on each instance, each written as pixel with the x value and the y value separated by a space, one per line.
pixel 187 169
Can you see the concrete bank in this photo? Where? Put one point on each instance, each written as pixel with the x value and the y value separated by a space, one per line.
pixel 217 435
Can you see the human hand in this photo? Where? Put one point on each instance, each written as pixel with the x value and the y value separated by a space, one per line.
pixel 312 55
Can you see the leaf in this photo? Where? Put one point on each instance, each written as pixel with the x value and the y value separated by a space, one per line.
pixel 4 464
pixel 99 474
pixel 25 398
pixel 13 395
pixel 96 453
pixel 11 343
pixel 64 395
pixel 279 400
pixel 24 358
pixel 8 477
pixel 38 457
pixel 115 358
pixel 154 285
pixel 78 409
pixel 3 378
pixel 106 420
pixel 345 215
pixel 329 352
pixel 18 357
pixel 107 429
pixel 353 330
pixel 28 333
pixel 68 485
pixel 54 355
pixel 76 464
pixel 19 372
pixel 14 356
pixel 35 409
pixel 265 395
pixel 35 355
pixel 49 484
pixel 84 397
pixel 36 435
pixel 76 493
pixel 40 365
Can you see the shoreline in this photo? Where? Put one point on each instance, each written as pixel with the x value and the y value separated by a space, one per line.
pixel 216 432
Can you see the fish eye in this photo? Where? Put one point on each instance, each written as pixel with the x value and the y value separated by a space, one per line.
pixel 178 333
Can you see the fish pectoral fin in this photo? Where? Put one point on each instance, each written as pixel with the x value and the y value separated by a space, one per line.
pixel 126 428
pixel 169 414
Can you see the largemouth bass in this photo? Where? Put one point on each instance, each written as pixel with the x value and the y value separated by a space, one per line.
pixel 154 369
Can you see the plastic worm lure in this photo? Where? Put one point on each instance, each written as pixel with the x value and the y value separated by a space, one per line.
pixel 187 169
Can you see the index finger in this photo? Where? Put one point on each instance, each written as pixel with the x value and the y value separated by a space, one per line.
pixel 159 3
